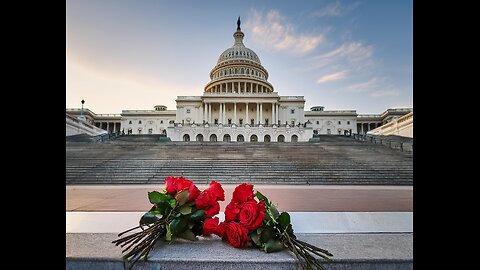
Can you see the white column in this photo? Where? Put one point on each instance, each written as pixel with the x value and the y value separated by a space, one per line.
pixel 258 114
pixel 108 127
pixel 257 88
pixel 205 112
pixel 261 113
pixel 220 113
pixel 245 87
pixel 209 113
pixel 235 113
pixel 224 113
pixel 246 114
pixel 114 127
pixel 277 106
pixel 273 114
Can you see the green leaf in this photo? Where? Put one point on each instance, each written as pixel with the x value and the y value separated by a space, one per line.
pixel 284 220
pixel 154 210
pixel 274 211
pixel 256 238
pixel 262 197
pixel 178 225
pixel 197 228
pixel 273 245
pixel 156 197
pixel 266 235
pixel 199 214
pixel 185 209
pixel 168 235
pixel 182 197
pixel 188 234
pixel 172 203
pixel 148 218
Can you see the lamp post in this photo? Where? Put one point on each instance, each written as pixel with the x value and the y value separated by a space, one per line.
pixel 81 112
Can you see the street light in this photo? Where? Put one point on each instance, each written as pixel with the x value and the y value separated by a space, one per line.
pixel 81 112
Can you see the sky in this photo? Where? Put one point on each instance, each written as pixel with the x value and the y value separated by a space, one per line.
pixel 343 55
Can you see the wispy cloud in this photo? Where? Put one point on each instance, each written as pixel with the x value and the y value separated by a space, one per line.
pixel 354 54
pixel 385 93
pixel 332 77
pixel 363 86
pixel 272 30
pixel 335 9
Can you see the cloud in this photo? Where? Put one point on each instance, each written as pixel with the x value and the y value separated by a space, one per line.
pixel 354 54
pixel 272 30
pixel 360 87
pixel 332 77
pixel 335 9
pixel 385 93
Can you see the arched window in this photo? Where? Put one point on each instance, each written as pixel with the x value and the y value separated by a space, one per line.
pixel 281 138
pixel 242 71
pixel 186 138
pixel 266 138
pixel 226 138
pixel 294 138
pixel 199 138
pixel 240 138
pixel 248 72
pixel 139 121
pixel 213 138
pixel 130 122
pixel 254 138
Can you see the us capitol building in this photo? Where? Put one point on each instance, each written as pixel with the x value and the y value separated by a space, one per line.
pixel 238 104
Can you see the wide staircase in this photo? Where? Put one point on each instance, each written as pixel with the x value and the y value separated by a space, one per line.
pixel 335 160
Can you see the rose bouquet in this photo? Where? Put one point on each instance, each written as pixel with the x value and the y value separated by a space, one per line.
pixel 249 222
pixel 179 210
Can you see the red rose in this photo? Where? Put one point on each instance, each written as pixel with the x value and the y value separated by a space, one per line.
pixel 220 229
pixel 212 210
pixel 207 201
pixel 209 226
pixel 243 193
pixel 170 185
pixel 232 210
pixel 194 192
pixel 236 235
pixel 217 189
pixel 183 184
pixel 252 214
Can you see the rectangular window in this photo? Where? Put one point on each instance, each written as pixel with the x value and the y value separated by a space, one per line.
pixel 188 110
pixel 292 111
pixel 348 122
pixel 293 122
pixel 339 122
pixel 150 131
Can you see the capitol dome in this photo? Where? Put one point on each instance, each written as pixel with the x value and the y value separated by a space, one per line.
pixel 239 70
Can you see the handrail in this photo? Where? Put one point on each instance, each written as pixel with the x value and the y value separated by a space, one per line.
pixel 391 143
pixel 107 137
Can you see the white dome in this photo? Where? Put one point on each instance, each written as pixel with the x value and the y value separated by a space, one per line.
pixel 236 67
pixel 238 53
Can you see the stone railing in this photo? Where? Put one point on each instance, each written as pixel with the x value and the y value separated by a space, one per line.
pixel 404 146
pixel 77 126
pixel 402 126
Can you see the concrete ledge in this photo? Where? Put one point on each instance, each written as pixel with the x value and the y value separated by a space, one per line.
pixel 303 222
pixel 351 251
